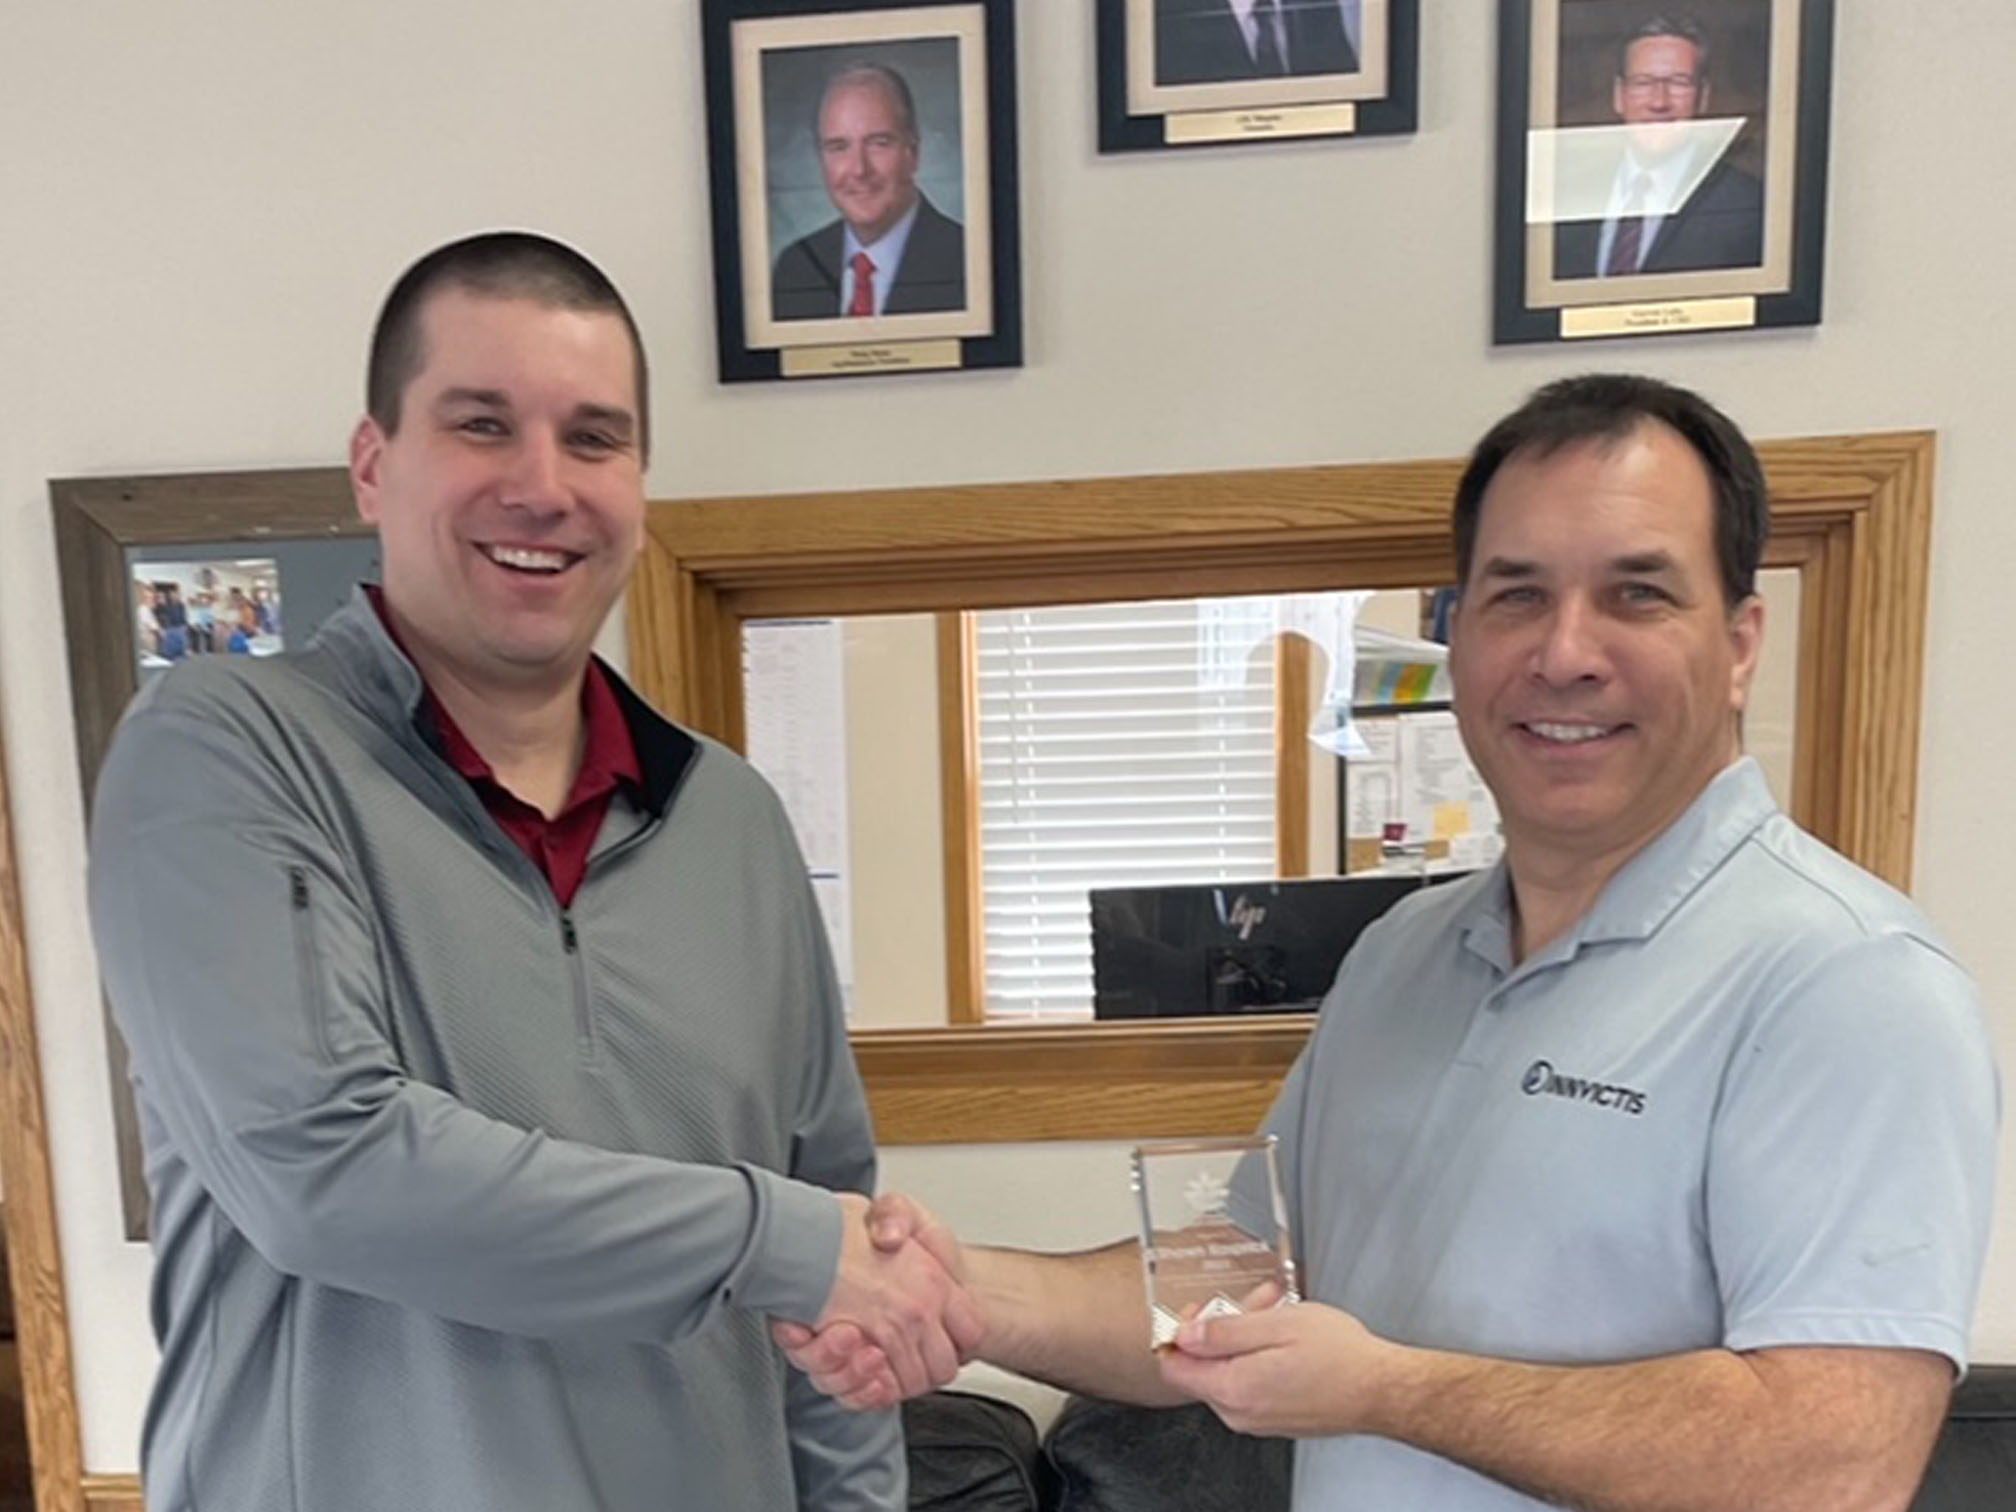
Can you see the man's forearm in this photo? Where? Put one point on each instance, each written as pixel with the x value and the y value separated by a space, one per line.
pixel 1782 1429
pixel 1077 1321
pixel 842 1461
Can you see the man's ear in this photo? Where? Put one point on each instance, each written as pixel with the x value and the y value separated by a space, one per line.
pixel 367 457
pixel 1746 642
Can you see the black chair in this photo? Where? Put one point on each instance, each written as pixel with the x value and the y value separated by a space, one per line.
pixel 1108 1458
pixel 1974 1466
pixel 972 1453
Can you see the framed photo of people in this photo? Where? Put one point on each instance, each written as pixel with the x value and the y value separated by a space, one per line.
pixel 1195 73
pixel 863 167
pixel 1662 166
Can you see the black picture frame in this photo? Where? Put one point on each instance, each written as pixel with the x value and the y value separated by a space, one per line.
pixel 1182 73
pixel 1742 175
pixel 767 64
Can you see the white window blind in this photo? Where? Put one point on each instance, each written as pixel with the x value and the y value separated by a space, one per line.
pixel 1120 745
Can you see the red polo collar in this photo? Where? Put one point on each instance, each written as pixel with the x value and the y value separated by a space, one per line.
pixel 559 846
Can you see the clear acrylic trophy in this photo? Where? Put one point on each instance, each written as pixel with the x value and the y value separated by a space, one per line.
pixel 1214 1226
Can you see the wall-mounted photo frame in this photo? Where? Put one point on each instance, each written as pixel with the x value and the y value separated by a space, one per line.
pixel 148 568
pixel 1662 166
pixel 862 156
pixel 208 605
pixel 1199 73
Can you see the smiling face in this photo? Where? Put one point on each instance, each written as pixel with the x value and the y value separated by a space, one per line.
pixel 510 500
pixel 1598 671
pixel 868 154
pixel 1662 85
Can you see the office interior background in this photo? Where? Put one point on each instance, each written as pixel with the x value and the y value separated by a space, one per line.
pixel 204 205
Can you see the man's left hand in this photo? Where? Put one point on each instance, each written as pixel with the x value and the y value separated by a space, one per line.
pixel 1301 1370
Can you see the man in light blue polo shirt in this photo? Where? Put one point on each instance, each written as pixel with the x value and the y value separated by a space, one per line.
pixel 1650 1169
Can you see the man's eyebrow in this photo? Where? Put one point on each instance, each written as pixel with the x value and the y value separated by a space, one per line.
pixel 1630 564
pixel 493 398
pixel 614 416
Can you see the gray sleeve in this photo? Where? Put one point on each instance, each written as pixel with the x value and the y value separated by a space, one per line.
pixel 843 1461
pixel 1851 1164
pixel 268 1066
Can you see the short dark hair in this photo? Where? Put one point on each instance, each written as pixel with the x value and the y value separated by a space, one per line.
pixel 495 265
pixel 1686 28
pixel 864 72
pixel 1607 408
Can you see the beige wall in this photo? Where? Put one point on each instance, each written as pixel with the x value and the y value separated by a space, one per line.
pixel 896 822
pixel 200 206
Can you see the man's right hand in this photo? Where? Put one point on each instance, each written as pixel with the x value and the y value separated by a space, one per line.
pixel 899 1321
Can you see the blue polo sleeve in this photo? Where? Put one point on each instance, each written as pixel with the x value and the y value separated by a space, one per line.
pixel 1286 1121
pixel 1851 1168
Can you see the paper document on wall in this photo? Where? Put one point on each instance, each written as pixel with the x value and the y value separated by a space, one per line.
pixel 795 725
pixel 1417 774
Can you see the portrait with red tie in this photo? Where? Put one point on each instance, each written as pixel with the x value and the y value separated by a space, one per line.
pixel 864 186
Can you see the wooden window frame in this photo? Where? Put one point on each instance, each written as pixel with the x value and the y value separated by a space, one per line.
pixel 1851 514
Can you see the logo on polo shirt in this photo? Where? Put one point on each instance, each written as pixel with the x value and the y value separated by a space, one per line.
pixel 1542 1077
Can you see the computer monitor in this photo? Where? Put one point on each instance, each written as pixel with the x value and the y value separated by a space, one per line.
pixel 1231 947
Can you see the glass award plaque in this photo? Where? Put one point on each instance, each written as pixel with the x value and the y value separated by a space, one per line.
pixel 1213 1227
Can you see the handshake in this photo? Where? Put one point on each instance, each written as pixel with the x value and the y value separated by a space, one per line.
pixel 899 1320
pixel 906 1312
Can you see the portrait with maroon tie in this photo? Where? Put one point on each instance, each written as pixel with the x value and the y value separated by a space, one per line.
pixel 1662 166
pixel 1683 195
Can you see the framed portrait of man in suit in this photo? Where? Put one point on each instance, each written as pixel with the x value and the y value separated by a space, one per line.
pixel 862 163
pixel 1193 73
pixel 1662 166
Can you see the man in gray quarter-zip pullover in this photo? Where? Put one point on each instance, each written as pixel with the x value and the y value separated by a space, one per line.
pixel 492 1075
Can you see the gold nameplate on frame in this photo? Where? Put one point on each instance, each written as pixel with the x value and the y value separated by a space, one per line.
pixel 870 357
pixel 1192 126
pixel 1727 314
